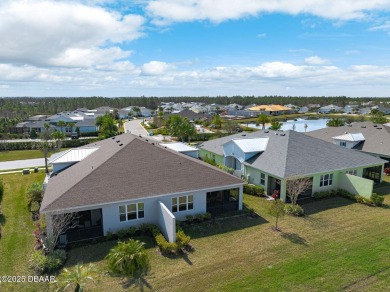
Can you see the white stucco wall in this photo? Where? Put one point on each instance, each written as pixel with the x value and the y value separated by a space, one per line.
pixel 167 222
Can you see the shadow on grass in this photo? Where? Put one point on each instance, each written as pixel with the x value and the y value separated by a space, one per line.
pixel 318 206
pixel 97 251
pixel 223 225
pixel 2 219
pixel 132 283
pixel 294 238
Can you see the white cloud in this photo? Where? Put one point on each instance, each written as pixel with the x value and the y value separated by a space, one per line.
pixel 352 52
pixel 315 60
pixel 261 35
pixel 167 11
pixel 384 27
pixel 63 33
pixel 156 68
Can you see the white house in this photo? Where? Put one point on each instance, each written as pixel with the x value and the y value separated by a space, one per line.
pixel 127 180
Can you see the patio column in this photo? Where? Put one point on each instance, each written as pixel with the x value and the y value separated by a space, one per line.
pixel 283 190
pixel 240 196
pixel 49 223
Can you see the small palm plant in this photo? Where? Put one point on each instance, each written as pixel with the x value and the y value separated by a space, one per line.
pixel 129 258
pixel 77 277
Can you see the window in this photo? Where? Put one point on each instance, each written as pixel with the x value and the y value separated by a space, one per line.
pixel 343 144
pixel 182 203
pixel 352 171
pixel 262 179
pixel 131 212
pixel 326 180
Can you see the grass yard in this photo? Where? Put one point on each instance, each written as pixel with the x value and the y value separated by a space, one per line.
pixel 338 245
pixel 17 241
pixel 23 154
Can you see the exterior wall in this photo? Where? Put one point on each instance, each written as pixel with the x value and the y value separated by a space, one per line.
pixel 87 129
pixel 59 166
pixel 218 158
pixel 356 185
pixel 316 182
pixel 194 153
pixel 254 177
pixel 349 144
pixel 167 222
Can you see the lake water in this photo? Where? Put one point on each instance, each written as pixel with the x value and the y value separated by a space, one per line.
pixel 312 125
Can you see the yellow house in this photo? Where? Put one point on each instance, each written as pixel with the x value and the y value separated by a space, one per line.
pixel 270 109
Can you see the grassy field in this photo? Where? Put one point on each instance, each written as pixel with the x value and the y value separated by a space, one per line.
pixel 338 245
pixel 17 241
pixel 22 154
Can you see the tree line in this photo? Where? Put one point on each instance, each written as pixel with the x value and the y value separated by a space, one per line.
pixel 23 107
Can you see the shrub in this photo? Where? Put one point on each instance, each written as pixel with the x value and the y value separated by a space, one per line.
pixel 199 217
pixel 164 245
pixel 226 168
pixel 207 216
pixel 34 193
pixel 377 200
pixel 346 194
pixel 121 233
pixel 50 263
pixel 322 195
pixel 182 239
pixel 387 171
pixel 109 235
pixel 190 218
pixel 1 190
pixel 253 190
pixel 363 200
pixel 294 210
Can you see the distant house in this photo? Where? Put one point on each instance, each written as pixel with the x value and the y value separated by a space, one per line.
pixel 351 109
pixel 190 115
pixel 270 158
pixel 303 110
pixel 365 137
pixel 124 112
pixel 385 110
pixel 182 148
pixel 127 181
pixel 329 109
pixel 270 109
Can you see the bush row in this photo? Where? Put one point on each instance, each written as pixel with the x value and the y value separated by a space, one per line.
pixel 198 217
pixel 32 145
pixel 375 199
pixel 253 190
pixel 42 263
pixel 294 210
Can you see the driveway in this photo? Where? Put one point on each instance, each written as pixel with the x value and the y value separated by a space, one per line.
pixel 16 164
pixel 134 127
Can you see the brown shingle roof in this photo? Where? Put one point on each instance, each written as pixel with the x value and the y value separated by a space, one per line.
pixel 136 169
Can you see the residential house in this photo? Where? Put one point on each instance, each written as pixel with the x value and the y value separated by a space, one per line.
pixel 126 181
pixel 303 110
pixel 190 115
pixel 270 109
pixel 271 158
pixel 182 148
pixel 329 109
pixel 383 109
pixel 351 109
pixel 365 137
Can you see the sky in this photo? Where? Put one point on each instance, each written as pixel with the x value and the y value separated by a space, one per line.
pixel 194 48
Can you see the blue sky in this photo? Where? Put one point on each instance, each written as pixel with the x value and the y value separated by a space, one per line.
pixel 194 47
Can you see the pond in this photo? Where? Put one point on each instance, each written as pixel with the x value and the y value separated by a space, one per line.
pixel 312 125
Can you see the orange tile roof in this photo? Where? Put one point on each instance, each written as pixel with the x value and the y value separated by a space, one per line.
pixel 269 108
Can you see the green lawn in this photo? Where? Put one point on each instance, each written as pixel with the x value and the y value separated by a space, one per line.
pixel 17 241
pixel 22 154
pixel 338 245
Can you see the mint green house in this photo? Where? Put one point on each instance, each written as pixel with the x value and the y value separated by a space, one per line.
pixel 270 158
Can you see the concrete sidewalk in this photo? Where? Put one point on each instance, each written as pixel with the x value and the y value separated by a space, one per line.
pixel 16 164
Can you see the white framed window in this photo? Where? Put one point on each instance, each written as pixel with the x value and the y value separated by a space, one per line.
pixel 131 212
pixel 262 179
pixel 352 171
pixel 182 203
pixel 343 144
pixel 326 180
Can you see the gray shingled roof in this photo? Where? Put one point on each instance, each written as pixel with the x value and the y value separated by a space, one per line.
pixel 136 169
pixel 296 154
pixel 377 139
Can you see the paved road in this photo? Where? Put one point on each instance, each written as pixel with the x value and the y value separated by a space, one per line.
pixel 28 163
pixel 135 127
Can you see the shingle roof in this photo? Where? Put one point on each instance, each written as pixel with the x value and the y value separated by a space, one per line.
pixel 292 153
pixel 129 169
pixel 270 108
pixel 351 137
pixel 377 139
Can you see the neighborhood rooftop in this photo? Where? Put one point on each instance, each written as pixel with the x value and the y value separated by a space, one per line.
pixel 291 153
pixel 127 167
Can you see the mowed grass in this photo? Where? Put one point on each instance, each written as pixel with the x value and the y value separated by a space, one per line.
pixel 338 245
pixel 23 154
pixel 17 241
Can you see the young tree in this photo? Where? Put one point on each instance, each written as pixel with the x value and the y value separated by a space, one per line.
pixel 378 117
pixel 276 210
pixel 275 125
pixel 217 121
pixel 263 119
pixel 129 258
pixel 230 126
pixel 58 224
pixel 45 144
pixel 61 124
pixel 296 186
pixel 77 277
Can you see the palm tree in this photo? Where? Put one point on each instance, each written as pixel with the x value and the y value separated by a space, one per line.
pixel 71 125
pixel 61 124
pixel 305 126
pixel 275 125
pixel 129 258
pixel 335 123
pixel 263 119
pixel 45 144
pixel 77 278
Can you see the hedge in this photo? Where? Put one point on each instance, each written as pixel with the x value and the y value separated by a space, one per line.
pixel 32 145
pixel 253 190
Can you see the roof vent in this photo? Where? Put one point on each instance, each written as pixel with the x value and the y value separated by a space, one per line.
pixel 117 141
pixel 363 126
pixel 276 133
pixel 266 131
pixel 120 144
pixel 243 135
pixel 113 138
pixel 375 126
pixel 146 140
pixel 282 134
pixel 152 143
pixel 140 135
pixel 345 132
pixel 379 128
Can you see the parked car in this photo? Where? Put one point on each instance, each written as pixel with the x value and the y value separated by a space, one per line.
pixel 74 136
